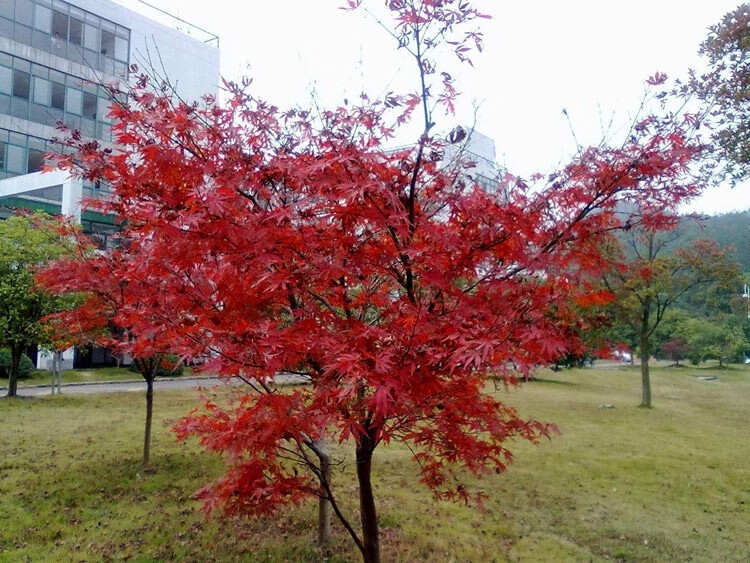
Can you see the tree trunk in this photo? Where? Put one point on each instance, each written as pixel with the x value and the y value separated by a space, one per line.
pixel 15 361
pixel 645 377
pixel 149 412
pixel 368 514
pixel 643 340
pixel 324 505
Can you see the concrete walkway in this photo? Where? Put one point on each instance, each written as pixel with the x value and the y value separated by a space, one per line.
pixel 140 386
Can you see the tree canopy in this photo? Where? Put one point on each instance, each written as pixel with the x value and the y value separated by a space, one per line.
pixel 25 243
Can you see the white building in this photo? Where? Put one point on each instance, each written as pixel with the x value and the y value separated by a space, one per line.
pixel 54 58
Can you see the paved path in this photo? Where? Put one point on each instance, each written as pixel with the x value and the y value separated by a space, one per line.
pixel 140 386
pixel 180 383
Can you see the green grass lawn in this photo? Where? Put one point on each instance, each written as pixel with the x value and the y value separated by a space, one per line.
pixel 629 484
pixel 42 377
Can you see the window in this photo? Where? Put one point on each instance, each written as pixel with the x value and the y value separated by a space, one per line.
pixel 21 84
pixel 15 159
pixel 91 38
pixel 43 18
pixel 24 12
pixel 121 49
pixel 108 43
pixel 59 24
pixel 73 101
pixel 41 91
pixel 75 35
pixel 89 105
pixel 103 109
pixel 6 80
pixel 36 161
pixel 2 156
pixel 58 96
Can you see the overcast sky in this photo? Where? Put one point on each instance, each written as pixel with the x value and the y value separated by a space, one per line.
pixel 590 57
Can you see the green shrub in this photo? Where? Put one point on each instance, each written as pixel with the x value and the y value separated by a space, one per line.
pixel 25 368
pixel 167 367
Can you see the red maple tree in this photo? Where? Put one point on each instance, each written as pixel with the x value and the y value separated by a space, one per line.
pixel 292 242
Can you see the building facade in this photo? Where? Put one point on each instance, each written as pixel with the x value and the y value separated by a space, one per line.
pixel 55 59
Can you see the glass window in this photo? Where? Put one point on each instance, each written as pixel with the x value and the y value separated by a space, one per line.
pixel 103 109
pixel 6 25
pixel 6 8
pixel 121 49
pixel 108 43
pixel 43 18
pixel 22 34
pixel 6 80
pixel 21 64
pixel 36 160
pixel 89 105
pixel 73 101
pixel 59 24
pixel 41 91
pixel 2 155
pixel 91 37
pixel 24 12
pixel 15 159
pixel 57 100
pixel 21 84
pixel 75 35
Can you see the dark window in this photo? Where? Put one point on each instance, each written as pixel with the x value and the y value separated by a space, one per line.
pixel 2 156
pixel 108 43
pixel 75 35
pixel 59 25
pixel 89 105
pixel 21 84
pixel 36 160
pixel 58 96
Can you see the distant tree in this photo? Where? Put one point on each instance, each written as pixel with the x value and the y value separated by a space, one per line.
pixel 676 350
pixel 721 340
pixel 723 90
pixel 25 244
pixel 652 281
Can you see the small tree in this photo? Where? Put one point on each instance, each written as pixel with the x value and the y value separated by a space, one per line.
pixel 652 281
pixel 676 350
pixel 108 286
pixel 25 243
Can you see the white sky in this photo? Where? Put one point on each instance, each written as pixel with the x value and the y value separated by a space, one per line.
pixel 588 56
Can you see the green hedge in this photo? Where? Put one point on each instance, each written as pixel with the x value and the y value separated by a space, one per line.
pixel 25 368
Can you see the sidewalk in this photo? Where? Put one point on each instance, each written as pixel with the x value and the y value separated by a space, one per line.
pixel 136 385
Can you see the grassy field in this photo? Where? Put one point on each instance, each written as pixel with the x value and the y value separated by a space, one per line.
pixel 628 484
